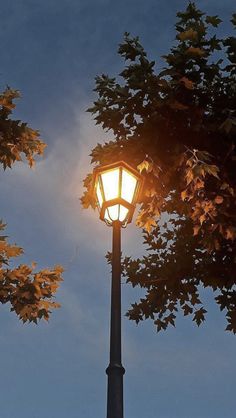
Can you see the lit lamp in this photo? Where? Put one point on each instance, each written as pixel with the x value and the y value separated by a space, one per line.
pixel 117 187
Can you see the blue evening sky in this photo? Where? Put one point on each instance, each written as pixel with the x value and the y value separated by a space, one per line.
pixel 51 50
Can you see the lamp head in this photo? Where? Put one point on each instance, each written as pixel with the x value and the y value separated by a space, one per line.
pixel 117 187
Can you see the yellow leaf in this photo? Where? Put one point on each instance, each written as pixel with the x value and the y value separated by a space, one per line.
pixel 149 224
pixel 3 246
pixel 199 184
pixel 184 194
pixel 145 165
pixel 5 102
pixel 12 250
pixel 195 51
pixel 144 220
pixel 190 34
pixel 150 192
pixel 212 169
pixel 202 219
pixel 189 176
pixel 224 186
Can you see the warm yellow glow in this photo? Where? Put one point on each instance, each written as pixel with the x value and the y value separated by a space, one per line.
pixel 116 188
pixel 99 194
pixel 112 213
pixel 123 213
pixel 128 186
pixel 115 213
pixel 110 181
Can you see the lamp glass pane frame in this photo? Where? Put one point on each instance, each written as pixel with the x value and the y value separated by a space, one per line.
pixel 124 207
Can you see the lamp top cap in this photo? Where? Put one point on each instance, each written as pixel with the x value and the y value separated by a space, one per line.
pixel 117 164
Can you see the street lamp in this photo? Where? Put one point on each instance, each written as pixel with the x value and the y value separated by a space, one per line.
pixel 117 187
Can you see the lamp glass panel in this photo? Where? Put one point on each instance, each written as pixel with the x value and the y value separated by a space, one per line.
pixel 106 216
pixel 115 213
pixel 123 213
pixel 99 194
pixel 110 181
pixel 128 186
pixel 112 213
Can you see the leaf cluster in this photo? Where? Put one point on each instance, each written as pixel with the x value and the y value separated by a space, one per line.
pixel 17 139
pixel 177 126
pixel 29 293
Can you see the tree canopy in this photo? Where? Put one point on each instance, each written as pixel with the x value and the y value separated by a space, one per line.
pixel 177 126
pixel 29 293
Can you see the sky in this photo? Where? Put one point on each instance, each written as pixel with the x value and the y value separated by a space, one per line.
pixel 51 50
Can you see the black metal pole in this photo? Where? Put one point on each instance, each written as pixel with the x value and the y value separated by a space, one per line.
pixel 115 370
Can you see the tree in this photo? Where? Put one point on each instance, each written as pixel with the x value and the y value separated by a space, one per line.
pixel 29 293
pixel 177 126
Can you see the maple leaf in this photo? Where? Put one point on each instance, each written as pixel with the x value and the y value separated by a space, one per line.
pixel 189 176
pixel 196 52
pixel 189 34
pixel 213 20
pixel 189 84
pixel 199 316
pixel 184 194
pixel 145 165
pixel 185 125
pixel 21 288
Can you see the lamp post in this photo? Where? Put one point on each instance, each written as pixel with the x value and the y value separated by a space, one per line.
pixel 117 187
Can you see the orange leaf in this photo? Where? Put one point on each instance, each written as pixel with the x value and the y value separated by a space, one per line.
pixel 189 176
pixel 189 34
pixel 195 51
pixel 196 229
pixel 202 219
pixel 218 200
pixel 189 84
pixel 184 194
pixel 231 233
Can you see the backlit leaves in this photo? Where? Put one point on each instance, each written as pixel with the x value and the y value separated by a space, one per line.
pixel 145 165
pixel 199 316
pixel 29 293
pixel 17 139
pixel 187 83
pixel 195 52
pixel 146 222
pixel 178 128
pixel 189 34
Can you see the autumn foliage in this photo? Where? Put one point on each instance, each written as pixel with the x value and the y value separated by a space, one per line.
pixel 29 293
pixel 177 125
